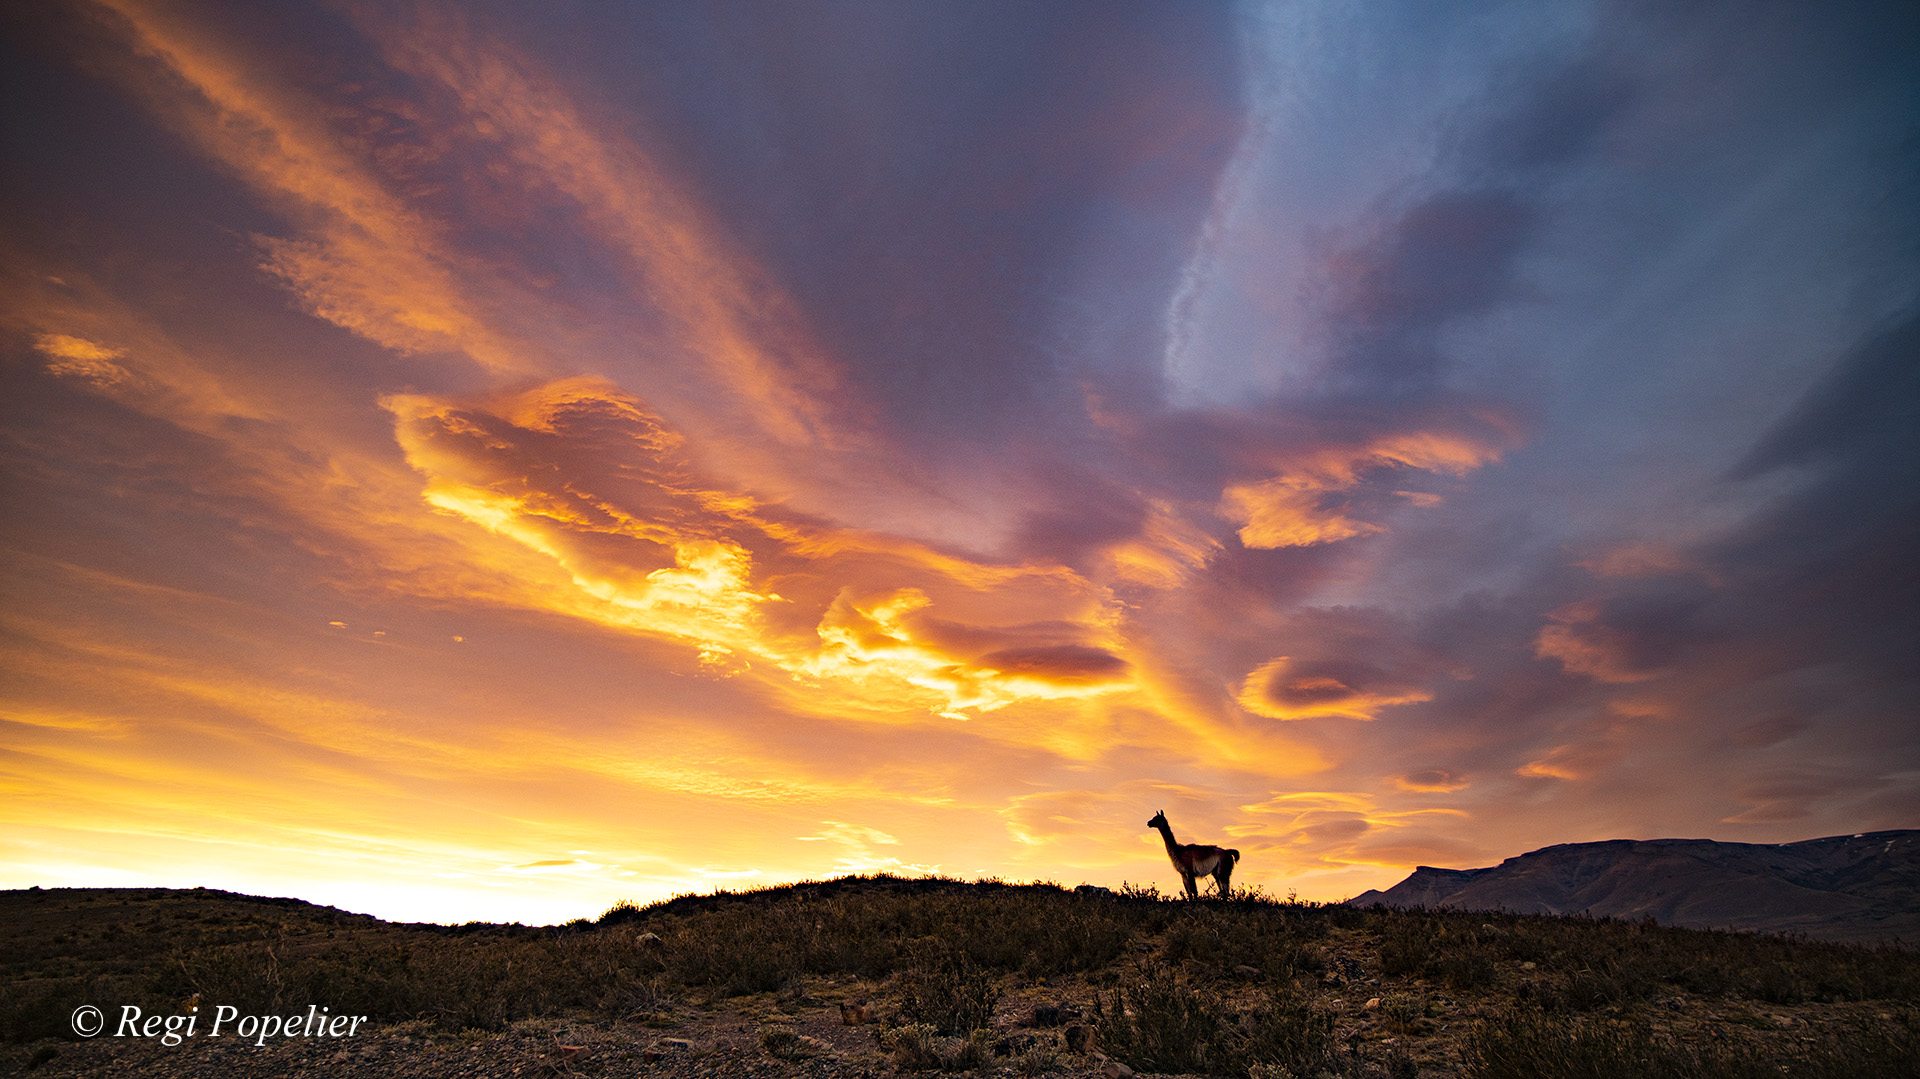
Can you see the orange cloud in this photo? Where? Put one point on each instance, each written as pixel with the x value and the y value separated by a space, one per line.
pixel 272 442
pixel 1166 553
pixel 749 335
pixel 1585 645
pixel 374 250
pixel 1431 781
pixel 77 357
pixel 1285 689
pixel 1291 509
pixel 68 318
pixel 1571 762
pixel 369 263
pixel 1643 559
pixel 585 475
pixel 1287 511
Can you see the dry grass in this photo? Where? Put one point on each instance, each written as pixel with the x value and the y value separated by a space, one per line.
pixel 961 976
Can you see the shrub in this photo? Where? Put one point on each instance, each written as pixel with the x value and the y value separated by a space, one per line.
pixel 1445 947
pixel 1250 932
pixel 1527 1044
pixel 918 1047
pixel 946 991
pixel 1159 1025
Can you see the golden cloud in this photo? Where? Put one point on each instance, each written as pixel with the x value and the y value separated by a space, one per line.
pixel 584 474
pixel 1287 512
pixel 77 357
pixel 1166 553
pixel 1283 688
pixel 1291 509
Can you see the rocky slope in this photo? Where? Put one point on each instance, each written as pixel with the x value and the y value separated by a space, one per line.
pixel 1858 888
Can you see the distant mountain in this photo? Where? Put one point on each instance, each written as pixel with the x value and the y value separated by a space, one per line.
pixel 1857 888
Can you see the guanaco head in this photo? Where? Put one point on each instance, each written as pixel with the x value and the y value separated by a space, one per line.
pixel 1158 820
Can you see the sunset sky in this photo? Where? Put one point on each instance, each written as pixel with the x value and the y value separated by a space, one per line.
pixel 490 460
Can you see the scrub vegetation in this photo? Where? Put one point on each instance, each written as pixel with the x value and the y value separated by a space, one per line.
pixel 945 976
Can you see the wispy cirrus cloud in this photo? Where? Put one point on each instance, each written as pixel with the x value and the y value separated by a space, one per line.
pixel 368 261
pixel 747 337
pixel 77 357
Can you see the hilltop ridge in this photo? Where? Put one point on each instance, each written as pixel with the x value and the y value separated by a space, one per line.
pixel 1861 888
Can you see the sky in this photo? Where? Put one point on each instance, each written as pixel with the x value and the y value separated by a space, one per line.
pixel 482 461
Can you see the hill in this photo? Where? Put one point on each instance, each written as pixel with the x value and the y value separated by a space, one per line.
pixel 1861 888
pixel 881 977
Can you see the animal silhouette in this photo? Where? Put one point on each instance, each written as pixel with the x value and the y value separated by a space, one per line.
pixel 1196 860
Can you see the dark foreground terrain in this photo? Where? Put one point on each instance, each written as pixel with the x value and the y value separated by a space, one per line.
pixel 880 976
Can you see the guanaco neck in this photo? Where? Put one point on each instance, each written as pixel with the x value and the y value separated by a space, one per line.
pixel 1166 833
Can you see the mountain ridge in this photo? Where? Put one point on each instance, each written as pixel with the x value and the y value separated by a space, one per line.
pixel 1862 888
